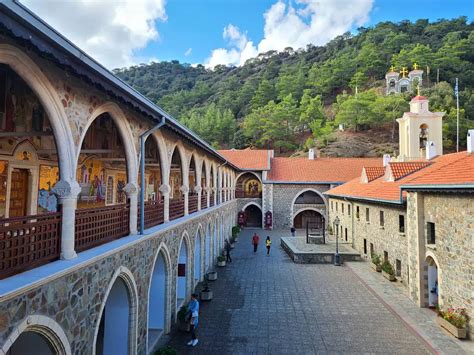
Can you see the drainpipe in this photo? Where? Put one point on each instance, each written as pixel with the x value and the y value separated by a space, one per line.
pixel 143 138
pixel 219 199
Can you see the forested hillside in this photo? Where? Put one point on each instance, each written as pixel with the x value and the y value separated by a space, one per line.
pixel 291 100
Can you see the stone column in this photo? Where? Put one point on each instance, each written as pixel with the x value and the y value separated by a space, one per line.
pixel 185 191
pixel 214 190
pixel 416 246
pixel 198 190
pixel 165 190
pixel 208 196
pixel 67 192
pixel 131 189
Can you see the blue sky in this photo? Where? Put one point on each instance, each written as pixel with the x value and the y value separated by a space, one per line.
pixel 127 32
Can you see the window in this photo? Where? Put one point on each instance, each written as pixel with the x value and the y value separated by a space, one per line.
pixel 385 255
pixel 349 210
pixel 371 249
pixel 365 246
pixel 367 215
pixel 345 231
pixel 430 232
pixel 398 268
pixel 332 205
pixel 336 206
pixel 357 212
pixel 342 208
pixel 401 223
pixel 382 221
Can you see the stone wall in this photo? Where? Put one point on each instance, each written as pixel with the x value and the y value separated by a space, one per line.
pixel 453 251
pixel 386 238
pixel 74 298
pixel 283 196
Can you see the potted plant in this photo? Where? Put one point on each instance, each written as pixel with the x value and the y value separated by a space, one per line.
pixel 375 264
pixel 387 271
pixel 212 276
pixel 454 320
pixel 168 350
pixel 221 260
pixel 206 293
pixel 235 233
pixel 183 324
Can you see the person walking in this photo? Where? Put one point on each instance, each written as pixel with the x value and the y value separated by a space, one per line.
pixel 193 314
pixel 255 240
pixel 293 231
pixel 228 248
pixel 268 243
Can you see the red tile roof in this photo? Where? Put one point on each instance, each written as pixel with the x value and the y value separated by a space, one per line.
pixel 450 169
pixel 402 169
pixel 248 159
pixel 374 172
pixel 335 170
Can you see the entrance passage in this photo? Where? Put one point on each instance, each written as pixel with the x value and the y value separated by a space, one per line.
pixel 253 217
pixel 432 282
pixel 302 218
pixel 31 343
pixel 157 302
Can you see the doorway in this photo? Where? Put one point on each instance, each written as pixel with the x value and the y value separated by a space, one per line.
pixel 19 193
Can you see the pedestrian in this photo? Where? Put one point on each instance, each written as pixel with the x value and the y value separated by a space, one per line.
pixel 293 231
pixel 228 248
pixel 193 315
pixel 268 242
pixel 255 240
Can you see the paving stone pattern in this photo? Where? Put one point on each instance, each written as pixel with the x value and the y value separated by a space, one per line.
pixel 269 305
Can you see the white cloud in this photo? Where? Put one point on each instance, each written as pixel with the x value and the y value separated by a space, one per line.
pixel 288 25
pixel 188 52
pixel 108 30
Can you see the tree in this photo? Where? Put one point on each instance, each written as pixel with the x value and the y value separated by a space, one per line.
pixel 264 94
pixel 389 108
pixel 311 108
pixel 355 110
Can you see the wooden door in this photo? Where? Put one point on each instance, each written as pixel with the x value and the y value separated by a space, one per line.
pixel 19 193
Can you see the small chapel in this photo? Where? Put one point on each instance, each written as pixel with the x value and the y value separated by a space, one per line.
pixel 398 82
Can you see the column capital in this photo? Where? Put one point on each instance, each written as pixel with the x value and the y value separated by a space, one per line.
pixel 184 189
pixel 66 189
pixel 197 189
pixel 131 189
pixel 165 189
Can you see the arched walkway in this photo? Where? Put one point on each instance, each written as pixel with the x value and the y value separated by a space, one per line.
pixel 157 300
pixel 197 257
pixel 182 277
pixel 176 182
pixel 253 216
pixel 308 215
pixel 208 248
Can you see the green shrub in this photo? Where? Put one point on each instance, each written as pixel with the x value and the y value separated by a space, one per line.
pixel 182 313
pixel 376 259
pixel 387 267
pixel 235 231
pixel 221 258
pixel 168 350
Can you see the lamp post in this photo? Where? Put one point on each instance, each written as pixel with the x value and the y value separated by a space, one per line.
pixel 336 256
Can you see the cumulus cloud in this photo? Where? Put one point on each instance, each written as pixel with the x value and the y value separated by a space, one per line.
pixel 108 30
pixel 293 25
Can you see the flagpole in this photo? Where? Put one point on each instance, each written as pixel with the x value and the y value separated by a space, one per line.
pixel 457 115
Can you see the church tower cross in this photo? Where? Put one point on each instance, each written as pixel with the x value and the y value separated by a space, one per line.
pixel 404 72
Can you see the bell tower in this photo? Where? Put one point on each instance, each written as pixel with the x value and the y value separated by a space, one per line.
pixel 420 131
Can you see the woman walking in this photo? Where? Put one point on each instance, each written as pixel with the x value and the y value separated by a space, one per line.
pixel 268 243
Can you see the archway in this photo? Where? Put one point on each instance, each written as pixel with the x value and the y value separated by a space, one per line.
pixel 253 216
pixel 154 204
pixel 192 195
pixel 113 336
pixel 197 257
pixel 176 183
pixel 181 277
pixel 248 186
pixel 31 343
pixel 157 300
pixel 309 197
pixel 215 241
pixel 432 282
pixel 212 185
pixel 208 247
pixel 311 216
pixel 203 186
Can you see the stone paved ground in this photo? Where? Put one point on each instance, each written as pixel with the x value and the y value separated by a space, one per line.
pixel 269 305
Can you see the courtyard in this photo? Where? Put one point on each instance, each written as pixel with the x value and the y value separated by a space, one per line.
pixel 269 305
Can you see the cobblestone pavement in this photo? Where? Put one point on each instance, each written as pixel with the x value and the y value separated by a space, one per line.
pixel 269 305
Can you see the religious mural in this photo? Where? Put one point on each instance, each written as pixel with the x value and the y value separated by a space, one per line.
pixel 47 200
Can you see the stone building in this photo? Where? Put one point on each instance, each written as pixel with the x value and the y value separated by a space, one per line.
pixel 398 82
pixel 417 215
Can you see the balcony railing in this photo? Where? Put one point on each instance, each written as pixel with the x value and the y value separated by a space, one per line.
pixel 154 213
pixel 203 200
pixel 176 208
pixel 28 242
pixel 245 194
pixel 192 203
pixel 96 226
pixel 211 201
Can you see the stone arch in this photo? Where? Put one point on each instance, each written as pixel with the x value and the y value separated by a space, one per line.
pixel 317 210
pixel 47 327
pixel 319 193
pixel 184 160
pixel 248 172
pixel 430 278
pixel 127 278
pixel 252 203
pixel 161 146
pixel 34 77
pixel 208 246
pixel 164 254
pixel 183 286
pixel 199 245
pixel 123 127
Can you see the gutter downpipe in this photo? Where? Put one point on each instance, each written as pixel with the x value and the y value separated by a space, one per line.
pixel 143 138
pixel 219 199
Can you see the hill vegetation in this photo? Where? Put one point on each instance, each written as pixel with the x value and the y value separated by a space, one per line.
pixel 292 100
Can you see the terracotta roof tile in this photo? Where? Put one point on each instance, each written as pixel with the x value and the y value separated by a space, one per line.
pixel 374 172
pixel 335 170
pixel 248 159
pixel 402 169
pixel 449 169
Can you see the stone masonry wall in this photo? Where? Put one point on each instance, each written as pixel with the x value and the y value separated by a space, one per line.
pixel 283 196
pixel 74 300
pixel 386 238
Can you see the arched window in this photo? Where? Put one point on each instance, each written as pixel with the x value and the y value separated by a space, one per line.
pixel 423 136
pixel 192 196
pixel 154 206
pixel 176 182
pixel 248 186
